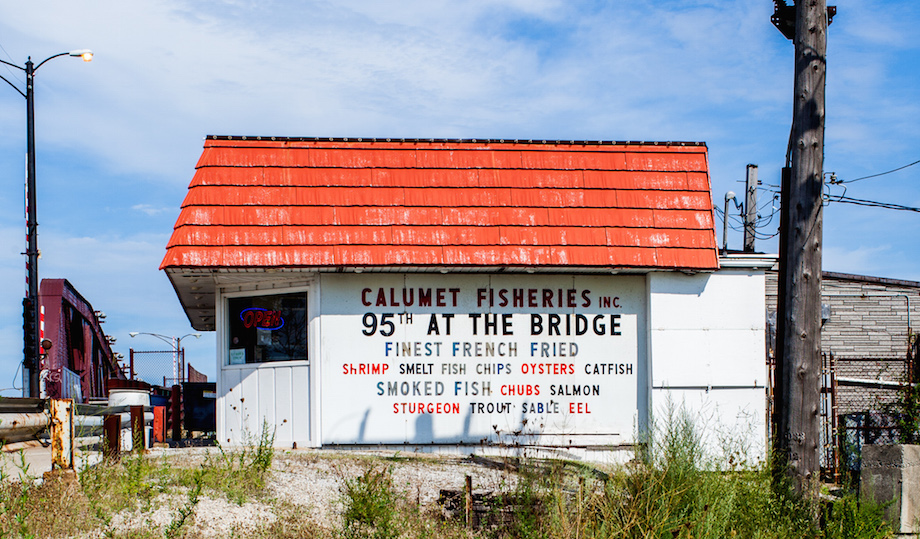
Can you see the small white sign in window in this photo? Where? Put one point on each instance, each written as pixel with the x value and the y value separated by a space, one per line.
pixel 238 357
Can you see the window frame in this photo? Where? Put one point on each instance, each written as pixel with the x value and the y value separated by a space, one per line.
pixel 225 314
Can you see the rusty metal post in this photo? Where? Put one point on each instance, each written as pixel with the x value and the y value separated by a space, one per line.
pixel 175 403
pixel 111 448
pixel 138 444
pixel 468 500
pixel 62 434
pixel 159 424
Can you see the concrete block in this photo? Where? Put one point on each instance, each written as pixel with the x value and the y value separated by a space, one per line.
pixel 892 472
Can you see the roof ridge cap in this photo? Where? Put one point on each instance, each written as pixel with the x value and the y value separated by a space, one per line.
pixel 571 142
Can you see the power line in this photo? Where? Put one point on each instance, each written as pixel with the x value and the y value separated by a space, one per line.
pixel 13 74
pixel 873 203
pixel 879 174
pixel 736 223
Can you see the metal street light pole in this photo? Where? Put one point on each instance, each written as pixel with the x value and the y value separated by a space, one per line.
pixel 176 344
pixel 31 308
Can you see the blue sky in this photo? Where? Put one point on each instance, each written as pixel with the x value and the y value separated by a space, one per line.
pixel 118 138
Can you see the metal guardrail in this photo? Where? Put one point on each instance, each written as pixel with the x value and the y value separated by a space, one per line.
pixel 29 418
pixel 22 419
pixel 15 405
pixel 89 419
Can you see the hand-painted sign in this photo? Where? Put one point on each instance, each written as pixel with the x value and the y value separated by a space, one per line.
pixel 472 359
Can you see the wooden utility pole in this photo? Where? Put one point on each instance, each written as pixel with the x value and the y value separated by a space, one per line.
pixel 750 208
pixel 798 371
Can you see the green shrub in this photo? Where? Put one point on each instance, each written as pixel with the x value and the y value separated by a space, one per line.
pixel 370 504
pixel 851 518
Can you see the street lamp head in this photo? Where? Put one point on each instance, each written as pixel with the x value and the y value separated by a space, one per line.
pixel 134 334
pixel 86 54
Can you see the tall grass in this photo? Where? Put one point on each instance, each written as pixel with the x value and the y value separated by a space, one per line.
pixel 64 505
pixel 370 505
pixel 673 488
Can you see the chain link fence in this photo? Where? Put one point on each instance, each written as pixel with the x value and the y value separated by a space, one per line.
pixel 860 400
pixel 856 392
pixel 156 367
pixel 865 394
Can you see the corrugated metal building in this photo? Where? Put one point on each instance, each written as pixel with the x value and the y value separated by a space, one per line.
pixel 869 348
pixel 465 292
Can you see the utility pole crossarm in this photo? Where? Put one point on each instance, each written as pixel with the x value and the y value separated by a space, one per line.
pixel 783 17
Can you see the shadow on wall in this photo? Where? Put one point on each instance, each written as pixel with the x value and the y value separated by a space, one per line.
pixel 423 432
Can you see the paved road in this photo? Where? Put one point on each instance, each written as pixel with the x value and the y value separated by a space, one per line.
pixel 33 460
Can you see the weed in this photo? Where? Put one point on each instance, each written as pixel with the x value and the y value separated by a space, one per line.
pixel 851 518
pixel 172 530
pixel 370 504
pixel 241 474
pixel 15 506
pixel 527 503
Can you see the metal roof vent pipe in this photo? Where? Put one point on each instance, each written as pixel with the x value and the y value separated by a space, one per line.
pixel 729 196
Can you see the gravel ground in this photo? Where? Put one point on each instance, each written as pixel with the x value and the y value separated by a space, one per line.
pixel 314 480
pixel 311 481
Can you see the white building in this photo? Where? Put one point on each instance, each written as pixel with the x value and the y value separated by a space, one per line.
pixel 455 295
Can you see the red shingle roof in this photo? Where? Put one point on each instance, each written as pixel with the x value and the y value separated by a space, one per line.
pixel 330 203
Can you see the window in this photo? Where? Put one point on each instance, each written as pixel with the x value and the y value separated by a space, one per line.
pixel 268 328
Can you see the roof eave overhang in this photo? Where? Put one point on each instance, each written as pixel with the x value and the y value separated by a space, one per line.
pixel 748 261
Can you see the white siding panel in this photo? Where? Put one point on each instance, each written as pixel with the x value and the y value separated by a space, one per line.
pixel 284 420
pixel 730 419
pixel 267 399
pixel 229 405
pixel 707 354
pixel 278 393
pixel 708 358
pixel 249 407
pixel 728 299
pixel 300 405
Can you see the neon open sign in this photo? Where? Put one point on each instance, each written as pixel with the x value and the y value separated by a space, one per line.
pixel 257 317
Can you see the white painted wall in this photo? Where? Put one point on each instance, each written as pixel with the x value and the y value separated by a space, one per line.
pixel 694 341
pixel 706 345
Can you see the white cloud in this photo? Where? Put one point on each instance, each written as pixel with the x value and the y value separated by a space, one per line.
pixel 150 210
pixel 174 72
pixel 166 73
